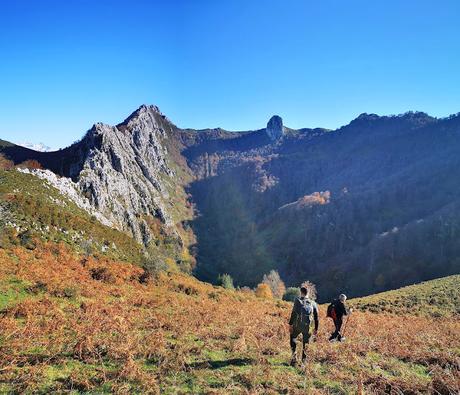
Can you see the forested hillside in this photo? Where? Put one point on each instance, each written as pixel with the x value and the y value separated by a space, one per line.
pixel 371 206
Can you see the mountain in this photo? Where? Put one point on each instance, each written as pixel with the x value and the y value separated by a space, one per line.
pixel 88 305
pixel 127 175
pixel 370 206
pixel 35 146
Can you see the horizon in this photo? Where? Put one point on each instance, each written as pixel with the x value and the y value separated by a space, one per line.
pixel 228 65
pixel 29 144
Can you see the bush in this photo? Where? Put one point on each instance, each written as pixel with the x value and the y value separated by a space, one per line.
pixel 154 265
pixel 188 289
pixel 67 292
pixel 87 247
pixel 30 164
pixel 103 274
pixel 291 293
pixel 264 291
pixel 27 240
pixel 273 280
pixel 226 281
pixel 5 164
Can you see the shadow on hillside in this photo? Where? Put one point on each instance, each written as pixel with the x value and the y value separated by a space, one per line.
pixel 221 364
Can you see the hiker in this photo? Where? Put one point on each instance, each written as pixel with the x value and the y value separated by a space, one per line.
pixel 336 310
pixel 303 311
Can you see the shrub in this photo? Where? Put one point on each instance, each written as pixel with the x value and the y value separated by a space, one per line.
pixel 291 293
pixel 27 239
pixel 264 291
pixel 31 164
pixel 5 164
pixel 186 261
pixel 226 281
pixel 87 247
pixel 103 274
pixel 154 265
pixel 273 280
pixel 188 289
pixel 67 292
pixel 8 237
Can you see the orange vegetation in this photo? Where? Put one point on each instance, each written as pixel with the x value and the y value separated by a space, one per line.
pixel 97 325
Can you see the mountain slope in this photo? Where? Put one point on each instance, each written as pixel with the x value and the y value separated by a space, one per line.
pixel 390 219
pixel 96 326
pixel 34 210
pixel 124 171
pixel 130 174
pixel 435 298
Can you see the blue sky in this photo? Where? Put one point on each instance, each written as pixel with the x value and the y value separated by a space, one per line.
pixel 206 63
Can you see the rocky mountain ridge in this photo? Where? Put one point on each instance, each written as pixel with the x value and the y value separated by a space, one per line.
pixel 126 172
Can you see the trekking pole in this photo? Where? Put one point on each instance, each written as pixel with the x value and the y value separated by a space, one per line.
pixel 345 326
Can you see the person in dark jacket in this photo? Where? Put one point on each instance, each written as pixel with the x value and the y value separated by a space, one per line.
pixel 340 310
pixel 303 311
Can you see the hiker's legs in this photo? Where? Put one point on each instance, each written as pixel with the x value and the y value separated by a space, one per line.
pixel 305 341
pixel 292 339
pixel 338 327
pixel 293 343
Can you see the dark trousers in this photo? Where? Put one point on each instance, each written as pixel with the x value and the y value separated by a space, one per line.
pixel 338 326
pixel 305 339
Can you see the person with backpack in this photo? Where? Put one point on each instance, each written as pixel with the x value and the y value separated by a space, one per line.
pixel 336 310
pixel 303 313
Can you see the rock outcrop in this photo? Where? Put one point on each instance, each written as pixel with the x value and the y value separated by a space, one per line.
pixel 275 128
pixel 125 174
pixel 69 189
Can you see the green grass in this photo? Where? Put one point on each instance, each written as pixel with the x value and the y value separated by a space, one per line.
pixel 435 298
pixel 12 291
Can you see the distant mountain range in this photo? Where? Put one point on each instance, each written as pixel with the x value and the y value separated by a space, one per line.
pixel 35 146
pixel 371 206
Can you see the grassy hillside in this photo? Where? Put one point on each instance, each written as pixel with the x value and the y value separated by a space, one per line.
pixel 435 298
pixel 32 209
pixel 71 324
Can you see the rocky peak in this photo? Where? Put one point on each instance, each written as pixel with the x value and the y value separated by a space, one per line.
pixel 146 113
pixel 275 129
pixel 125 171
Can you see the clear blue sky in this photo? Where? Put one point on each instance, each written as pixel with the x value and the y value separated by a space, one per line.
pixel 206 63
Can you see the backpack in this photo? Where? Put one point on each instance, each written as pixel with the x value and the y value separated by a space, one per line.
pixel 306 311
pixel 331 311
